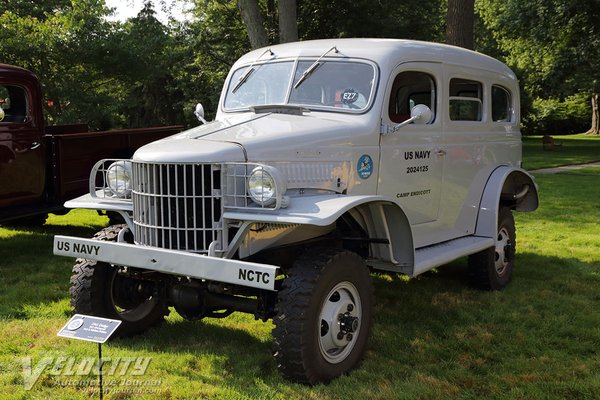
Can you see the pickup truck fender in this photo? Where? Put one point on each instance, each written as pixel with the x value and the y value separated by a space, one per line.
pixel 509 186
pixel 381 218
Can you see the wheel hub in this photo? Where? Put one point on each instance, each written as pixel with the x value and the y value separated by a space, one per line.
pixel 502 252
pixel 340 322
pixel 348 323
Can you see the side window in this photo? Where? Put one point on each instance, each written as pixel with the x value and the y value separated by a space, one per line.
pixel 13 101
pixel 409 89
pixel 501 104
pixel 466 100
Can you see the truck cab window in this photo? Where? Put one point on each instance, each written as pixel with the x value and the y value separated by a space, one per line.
pixel 409 89
pixel 466 100
pixel 13 100
pixel 501 104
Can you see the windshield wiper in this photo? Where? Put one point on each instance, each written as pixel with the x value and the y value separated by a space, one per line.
pixel 312 68
pixel 249 71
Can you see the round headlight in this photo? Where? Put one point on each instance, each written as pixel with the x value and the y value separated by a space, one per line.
pixel 118 178
pixel 263 186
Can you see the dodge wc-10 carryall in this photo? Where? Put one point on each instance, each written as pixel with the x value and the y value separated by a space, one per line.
pixel 327 159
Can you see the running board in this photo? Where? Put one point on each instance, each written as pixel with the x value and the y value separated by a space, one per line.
pixel 430 257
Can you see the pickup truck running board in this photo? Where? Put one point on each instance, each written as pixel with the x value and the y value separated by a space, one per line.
pixel 260 276
pixel 430 257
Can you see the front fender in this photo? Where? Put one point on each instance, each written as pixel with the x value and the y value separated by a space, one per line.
pixel 320 210
pixel 505 186
pixel 380 217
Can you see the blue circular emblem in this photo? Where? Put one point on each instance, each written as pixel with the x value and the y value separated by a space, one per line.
pixel 365 166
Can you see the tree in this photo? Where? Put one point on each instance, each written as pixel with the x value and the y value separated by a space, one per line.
pixel 146 64
pixel 253 19
pixel 409 19
pixel 595 128
pixel 288 21
pixel 62 42
pixel 554 45
pixel 459 23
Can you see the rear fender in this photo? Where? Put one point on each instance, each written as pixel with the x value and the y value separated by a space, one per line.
pixel 506 186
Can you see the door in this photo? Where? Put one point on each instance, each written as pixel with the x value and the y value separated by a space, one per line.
pixel 22 159
pixel 412 157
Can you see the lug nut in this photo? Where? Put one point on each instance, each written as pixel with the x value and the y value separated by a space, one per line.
pixel 349 337
pixel 350 307
pixel 340 336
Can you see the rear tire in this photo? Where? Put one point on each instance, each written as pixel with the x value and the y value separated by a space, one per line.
pixel 324 316
pixel 100 289
pixel 492 269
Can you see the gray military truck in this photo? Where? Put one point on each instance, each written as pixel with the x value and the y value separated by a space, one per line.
pixel 327 159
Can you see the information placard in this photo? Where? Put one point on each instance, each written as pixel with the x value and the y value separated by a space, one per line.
pixel 89 328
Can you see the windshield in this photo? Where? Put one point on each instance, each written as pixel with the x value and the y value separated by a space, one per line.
pixel 335 85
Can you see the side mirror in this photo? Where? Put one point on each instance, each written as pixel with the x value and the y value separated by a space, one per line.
pixel 199 113
pixel 1 114
pixel 420 114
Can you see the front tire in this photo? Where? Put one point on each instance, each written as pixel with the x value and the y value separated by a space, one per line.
pixel 492 269
pixel 103 290
pixel 324 316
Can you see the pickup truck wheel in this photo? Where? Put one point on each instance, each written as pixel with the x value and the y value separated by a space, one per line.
pixel 324 316
pixel 100 289
pixel 492 269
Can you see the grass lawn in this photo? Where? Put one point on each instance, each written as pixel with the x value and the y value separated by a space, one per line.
pixel 575 149
pixel 433 337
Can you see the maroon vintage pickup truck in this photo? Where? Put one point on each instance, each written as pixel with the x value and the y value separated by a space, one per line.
pixel 43 166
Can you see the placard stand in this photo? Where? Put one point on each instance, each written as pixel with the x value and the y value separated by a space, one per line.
pixel 100 369
pixel 91 329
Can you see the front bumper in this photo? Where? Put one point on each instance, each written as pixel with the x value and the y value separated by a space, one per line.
pixel 260 276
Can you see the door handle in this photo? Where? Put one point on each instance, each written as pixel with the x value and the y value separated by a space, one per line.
pixel 440 153
pixel 35 145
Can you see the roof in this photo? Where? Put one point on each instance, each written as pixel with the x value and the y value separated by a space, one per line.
pixel 16 72
pixel 384 52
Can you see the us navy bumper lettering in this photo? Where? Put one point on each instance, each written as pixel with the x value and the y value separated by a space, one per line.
pixel 261 276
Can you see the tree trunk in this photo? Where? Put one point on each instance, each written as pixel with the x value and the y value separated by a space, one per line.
pixel 459 23
pixel 253 20
pixel 595 129
pixel 288 22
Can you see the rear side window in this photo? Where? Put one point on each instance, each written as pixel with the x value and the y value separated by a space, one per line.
pixel 501 104
pixel 466 100
pixel 13 101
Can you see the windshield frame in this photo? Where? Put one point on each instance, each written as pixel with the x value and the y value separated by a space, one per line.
pixel 312 107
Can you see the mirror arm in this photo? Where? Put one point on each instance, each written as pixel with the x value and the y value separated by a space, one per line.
pixel 201 119
pixel 400 125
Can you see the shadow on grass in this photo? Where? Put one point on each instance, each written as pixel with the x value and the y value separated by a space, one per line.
pixel 425 326
pixel 442 337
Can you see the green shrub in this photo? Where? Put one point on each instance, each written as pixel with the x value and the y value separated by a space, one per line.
pixel 553 116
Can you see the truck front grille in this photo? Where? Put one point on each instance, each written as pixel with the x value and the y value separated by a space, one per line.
pixel 176 206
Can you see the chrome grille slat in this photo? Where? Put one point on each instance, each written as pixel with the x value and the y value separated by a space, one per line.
pixel 175 206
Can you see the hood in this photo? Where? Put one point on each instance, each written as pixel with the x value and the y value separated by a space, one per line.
pixel 258 137
pixel 183 150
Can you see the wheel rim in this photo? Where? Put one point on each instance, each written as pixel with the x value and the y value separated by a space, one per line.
pixel 130 304
pixel 340 322
pixel 502 254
